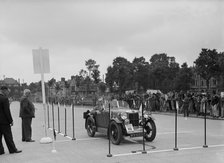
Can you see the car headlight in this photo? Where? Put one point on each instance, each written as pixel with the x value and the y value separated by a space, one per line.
pixel 124 116
pixel 146 116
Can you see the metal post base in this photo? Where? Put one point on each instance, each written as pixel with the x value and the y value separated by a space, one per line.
pixel 205 146
pixel 144 152
pixel 46 140
pixel 109 155
pixel 175 149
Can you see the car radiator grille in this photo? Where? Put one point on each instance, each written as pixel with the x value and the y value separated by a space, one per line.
pixel 134 119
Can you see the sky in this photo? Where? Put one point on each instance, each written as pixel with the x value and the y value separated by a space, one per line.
pixel 77 30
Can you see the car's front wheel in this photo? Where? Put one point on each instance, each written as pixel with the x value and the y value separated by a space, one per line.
pixel 115 133
pixel 90 126
pixel 150 129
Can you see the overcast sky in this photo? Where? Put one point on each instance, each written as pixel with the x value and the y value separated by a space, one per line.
pixel 77 30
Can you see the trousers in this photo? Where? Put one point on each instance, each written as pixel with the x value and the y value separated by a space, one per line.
pixel 6 132
pixel 26 129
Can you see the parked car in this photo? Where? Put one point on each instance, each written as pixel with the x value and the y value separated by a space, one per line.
pixel 122 122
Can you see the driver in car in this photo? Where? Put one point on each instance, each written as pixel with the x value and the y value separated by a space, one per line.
pixel 99 104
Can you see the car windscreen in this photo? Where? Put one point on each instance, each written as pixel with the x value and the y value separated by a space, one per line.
pixel 117 104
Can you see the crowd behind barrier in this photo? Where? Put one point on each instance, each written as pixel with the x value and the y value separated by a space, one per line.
pixel 185 102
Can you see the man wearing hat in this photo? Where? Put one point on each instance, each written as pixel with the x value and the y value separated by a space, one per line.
pixel 6 122
pixel 27 112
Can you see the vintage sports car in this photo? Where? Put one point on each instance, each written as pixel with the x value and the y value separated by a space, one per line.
pixel 123 121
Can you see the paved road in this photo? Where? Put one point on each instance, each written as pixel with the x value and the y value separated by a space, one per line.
pixel 85 149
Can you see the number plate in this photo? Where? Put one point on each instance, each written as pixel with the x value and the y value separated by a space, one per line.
pixel 136 135
pixel 129 128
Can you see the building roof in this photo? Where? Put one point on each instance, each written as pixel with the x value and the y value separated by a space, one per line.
pixel 9 81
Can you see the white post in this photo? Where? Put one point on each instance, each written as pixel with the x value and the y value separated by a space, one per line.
pixel 44 102
pixel 45 139
pixel 41 65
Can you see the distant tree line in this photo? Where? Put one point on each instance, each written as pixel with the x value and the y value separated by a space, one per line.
pixel 159 72
pixel 164 73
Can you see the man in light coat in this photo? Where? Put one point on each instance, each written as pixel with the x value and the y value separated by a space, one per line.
pixel 27 112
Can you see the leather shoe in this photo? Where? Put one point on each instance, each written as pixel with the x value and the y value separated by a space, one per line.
pixel 17 151
pixel 30 140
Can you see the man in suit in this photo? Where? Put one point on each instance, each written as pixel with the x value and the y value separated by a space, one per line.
pixel 6 122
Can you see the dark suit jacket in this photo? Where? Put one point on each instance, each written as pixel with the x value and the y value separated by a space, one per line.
pixel 5 114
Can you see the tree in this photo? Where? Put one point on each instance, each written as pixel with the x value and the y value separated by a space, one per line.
pixel 120 73
pixel 184 78
pixel 50 84
pixel 91 65
pixel 159 60
pixel 78 80
pixel 93 69
pixel 33 87
pixel 83 73
pixel 109 76
pixel 221 64
pixel 96 76
pixel 102 87
pixel 163 71
pixel 141 72
pixel 57 88
pixel 67 86
pixel 207 65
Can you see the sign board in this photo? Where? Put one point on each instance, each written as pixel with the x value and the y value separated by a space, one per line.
pixel 41 61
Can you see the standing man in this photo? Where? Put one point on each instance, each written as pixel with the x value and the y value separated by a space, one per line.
pixel 27 112
pixel 6 122
pixel 214 104
pixel 186 105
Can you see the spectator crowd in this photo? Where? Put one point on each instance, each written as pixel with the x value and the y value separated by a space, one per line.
pixel 185 102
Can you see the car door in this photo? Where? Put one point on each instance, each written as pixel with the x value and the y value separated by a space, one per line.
pixel 102 118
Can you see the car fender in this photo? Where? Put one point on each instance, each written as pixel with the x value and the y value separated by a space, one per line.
pixel 150 118
pixel 116 120
pixel 86 114
pixel 89 115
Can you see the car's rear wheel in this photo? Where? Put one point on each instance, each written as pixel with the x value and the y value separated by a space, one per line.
pixel 90 126
pixel 115 133
pixel 150 130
